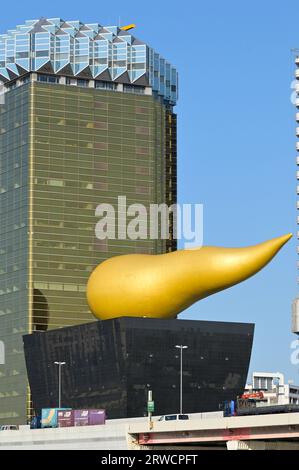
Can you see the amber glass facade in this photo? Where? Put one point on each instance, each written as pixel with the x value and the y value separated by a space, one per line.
pixel 14 318
pixel 64 151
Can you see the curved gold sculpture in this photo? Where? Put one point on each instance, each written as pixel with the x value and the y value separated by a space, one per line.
pixel 161 286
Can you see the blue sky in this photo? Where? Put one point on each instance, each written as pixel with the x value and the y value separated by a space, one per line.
pixel 236 137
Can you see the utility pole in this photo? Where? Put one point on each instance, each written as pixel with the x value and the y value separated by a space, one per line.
pixel 150 408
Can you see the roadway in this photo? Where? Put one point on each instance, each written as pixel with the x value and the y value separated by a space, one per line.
pixel 276 431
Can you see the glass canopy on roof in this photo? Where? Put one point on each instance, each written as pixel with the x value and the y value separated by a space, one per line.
pixel 83 50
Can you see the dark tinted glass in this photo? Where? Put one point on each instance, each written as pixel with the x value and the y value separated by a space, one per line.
pixel 113 364
pixel 170 418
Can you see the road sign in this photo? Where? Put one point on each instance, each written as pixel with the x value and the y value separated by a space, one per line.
pixel 150 406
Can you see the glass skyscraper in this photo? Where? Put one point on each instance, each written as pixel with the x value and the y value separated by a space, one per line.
pixel 87 117
pixel 295 303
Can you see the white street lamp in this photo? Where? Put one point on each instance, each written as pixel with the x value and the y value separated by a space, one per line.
pixel 181 347
pixel 59 364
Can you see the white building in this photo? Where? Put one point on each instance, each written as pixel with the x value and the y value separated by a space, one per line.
pixel 273 388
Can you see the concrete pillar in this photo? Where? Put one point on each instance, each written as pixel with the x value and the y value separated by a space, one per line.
pixel 62 80
pixel 120 87
pixel 148 90
pixel 91 84
pixel 245 445
pixel 262 445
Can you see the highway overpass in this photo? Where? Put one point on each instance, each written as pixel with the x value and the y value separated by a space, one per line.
pixel 276 431
pixel 201 432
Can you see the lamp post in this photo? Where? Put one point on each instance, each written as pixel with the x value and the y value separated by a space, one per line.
pixel 181 347
pixel 59 364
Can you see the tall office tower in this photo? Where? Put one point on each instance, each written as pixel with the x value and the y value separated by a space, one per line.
pixel 295 305
pixel 87 117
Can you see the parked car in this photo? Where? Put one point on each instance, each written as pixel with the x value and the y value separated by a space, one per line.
pixel 9 427
pixel 173 417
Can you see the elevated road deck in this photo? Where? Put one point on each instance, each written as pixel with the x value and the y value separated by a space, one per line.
pixel 279 431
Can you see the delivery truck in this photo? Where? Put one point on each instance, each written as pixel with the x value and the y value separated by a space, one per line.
pixel 89 417
pixel 50 417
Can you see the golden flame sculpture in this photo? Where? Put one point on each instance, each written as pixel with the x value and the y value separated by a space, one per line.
pixel 161 286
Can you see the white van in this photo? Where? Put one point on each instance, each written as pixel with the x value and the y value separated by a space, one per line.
pixel 9 427
pixel 173 417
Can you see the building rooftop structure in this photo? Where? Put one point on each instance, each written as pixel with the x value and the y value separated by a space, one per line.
pixel 88 51
pixel 274 389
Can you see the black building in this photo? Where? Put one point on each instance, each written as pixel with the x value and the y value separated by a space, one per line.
pixel 112 364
